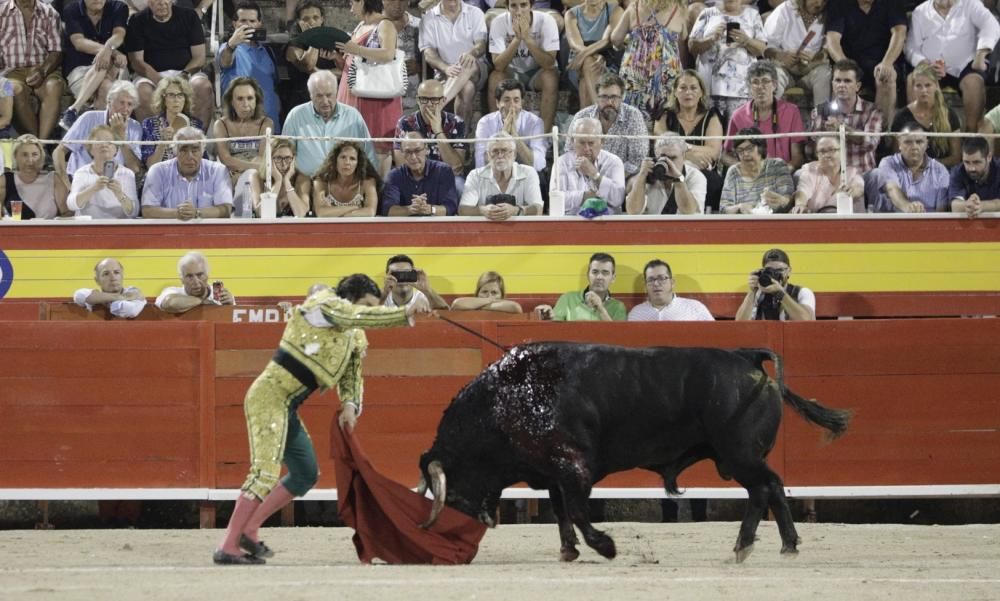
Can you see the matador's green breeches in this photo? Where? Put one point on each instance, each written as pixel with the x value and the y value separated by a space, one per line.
pixel 276 434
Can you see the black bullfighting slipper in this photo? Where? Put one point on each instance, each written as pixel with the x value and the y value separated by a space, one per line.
pixel 225 559
pixel 258 549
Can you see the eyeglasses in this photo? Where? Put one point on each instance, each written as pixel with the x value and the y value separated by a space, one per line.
pixel 658 279
pixel 415 151
pixel 283 159
pixel 174 95
pixel 429 99
pixel 745 149
pixel 827 150
pixel 499 152
pixel 759 83
pixel 608 97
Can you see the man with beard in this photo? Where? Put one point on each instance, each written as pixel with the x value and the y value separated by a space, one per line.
pixel 975 184
pixel 589 171
pixel 855 113
pixel 432 122
pixel 120 301
pixel 910 181
pixel 618 119
pixel 502 188
pixel 510 119
pixel 593 303
pixel 195 291
pixel 241 56
pixel 187 186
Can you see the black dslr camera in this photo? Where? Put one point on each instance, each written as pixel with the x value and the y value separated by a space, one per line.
pixel 501 199
pixel 660 172
pixel 768 275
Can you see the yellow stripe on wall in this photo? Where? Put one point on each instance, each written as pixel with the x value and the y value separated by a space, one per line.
pixel 710 268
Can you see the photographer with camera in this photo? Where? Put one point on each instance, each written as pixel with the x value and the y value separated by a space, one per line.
pixel 857 115
pixel 244 55
pixel 405 286
pixel 771 297
pixel 667 185
pixel 588 171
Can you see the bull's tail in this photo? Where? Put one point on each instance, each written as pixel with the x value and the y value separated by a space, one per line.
pixel 833 420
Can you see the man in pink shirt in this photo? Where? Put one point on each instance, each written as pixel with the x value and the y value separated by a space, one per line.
pixel 769 114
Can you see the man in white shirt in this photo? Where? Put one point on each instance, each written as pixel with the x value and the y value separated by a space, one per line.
pixel 524 44
pixel 111 291
pixel 955 36
pixel 195 291
pixel 794 35
pixel 589 171
pixel 502 188
pixel 662 302
pixel 453 41
pixel 667 185
pixel 510 119
pixel 404 285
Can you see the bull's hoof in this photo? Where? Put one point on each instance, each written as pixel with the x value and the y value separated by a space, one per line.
pixel 568 553
pixel 789 550
pixel 742 554
pixel 605 546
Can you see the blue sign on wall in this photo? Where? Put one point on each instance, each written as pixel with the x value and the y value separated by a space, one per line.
pixel 6 274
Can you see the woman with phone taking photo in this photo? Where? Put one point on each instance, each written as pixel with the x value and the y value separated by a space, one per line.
pixel 103 189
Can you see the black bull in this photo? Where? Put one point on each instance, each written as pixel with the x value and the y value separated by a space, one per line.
pixel 562 416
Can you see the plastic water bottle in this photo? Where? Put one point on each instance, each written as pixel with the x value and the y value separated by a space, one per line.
pixel 246 211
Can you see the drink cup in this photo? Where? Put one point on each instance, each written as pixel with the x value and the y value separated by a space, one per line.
pixel 845 204
pixel 15 209
pixel 557 203
pixel 268 205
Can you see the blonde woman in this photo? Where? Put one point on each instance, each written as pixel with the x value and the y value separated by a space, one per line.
pixel 346 184
pixel 290 186
pixel 29 184
pixel 103 189
pixel 490 296
pixel 172 101
pixel 930 110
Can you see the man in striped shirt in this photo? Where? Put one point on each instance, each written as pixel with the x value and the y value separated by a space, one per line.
pixel 31 50
pixel 662 302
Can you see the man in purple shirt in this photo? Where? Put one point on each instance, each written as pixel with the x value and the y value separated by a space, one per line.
pixel 188 186
pixel 421 187
pixel 910 181
pixel 770 114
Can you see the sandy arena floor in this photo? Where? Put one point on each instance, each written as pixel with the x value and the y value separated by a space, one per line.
pixel 676 562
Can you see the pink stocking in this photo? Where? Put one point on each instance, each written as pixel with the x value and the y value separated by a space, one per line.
pixel 242 513
pixel 274 501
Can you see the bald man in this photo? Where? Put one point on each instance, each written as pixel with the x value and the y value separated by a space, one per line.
pixel 432 122
pixel 111 291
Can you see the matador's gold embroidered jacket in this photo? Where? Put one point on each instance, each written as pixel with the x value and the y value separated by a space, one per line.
pixel 325 334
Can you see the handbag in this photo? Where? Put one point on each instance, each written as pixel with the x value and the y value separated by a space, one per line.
pixel 368 79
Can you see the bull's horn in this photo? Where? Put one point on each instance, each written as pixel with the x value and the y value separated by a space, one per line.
pixel 422 487
pixel 439 489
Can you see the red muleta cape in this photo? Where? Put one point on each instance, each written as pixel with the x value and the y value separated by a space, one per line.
pixel 386 515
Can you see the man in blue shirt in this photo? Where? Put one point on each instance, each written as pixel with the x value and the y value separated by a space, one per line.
pixel 241 56
pixel 324 117
pixel 975 184
pixel 419 187
pixel 188 186
pixel 910 181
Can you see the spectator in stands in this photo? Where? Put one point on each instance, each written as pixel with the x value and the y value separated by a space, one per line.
pixel 689 113
pixel 758 183
pixel 95 29
pixel 821 181
pixel 408 289
pixel 243 115
pixel 932 112
pixel 910 181
pixel 453 43
pixel 872 34
pixel 290 187
pixel 407 37
pixel 165 40
pixel 593 303
pixel 725 53
pixel 653 36
pixel 304 60
pixel 242 57
pixel 586 170
pixel 346 184
pixel 769 114
pixel 188 186
pixel 6 109
pixel 858 115
pixel 490 296
pixel 619 120
pixel 121 101
pixel 194 290
pixel 523 44
pixel 954 38
pixel 123 302
pixel 421 186
pixel 795 38
pixel 975 184
pixel 511 119
pixel 668 185
pixel 778 300
pixel 99 191
pixel 588 33
pixel 503 188
pixel 662 302
pixel 374 39
pixel 31 53
pixel 326 118
pixel 173 101
pixel 28 183
pixel 432 122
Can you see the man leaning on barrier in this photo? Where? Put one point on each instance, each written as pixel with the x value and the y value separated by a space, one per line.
pixel 195 289
pixel 588 171
pixel 975 184
pixel 127 302
pixel 910 181
pixel 667 184
pixel 187 186
pixel 503 188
